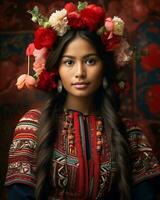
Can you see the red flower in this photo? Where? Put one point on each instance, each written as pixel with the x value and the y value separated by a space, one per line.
pixel 151 61
pixel 92 15
pixel 70 7
pixel 47 81
pixel 74 20
pixel 112 43
pixel 44 37
pixel 152 98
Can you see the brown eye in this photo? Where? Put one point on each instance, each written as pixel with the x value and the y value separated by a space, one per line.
pixel 91 61
pixel 68 62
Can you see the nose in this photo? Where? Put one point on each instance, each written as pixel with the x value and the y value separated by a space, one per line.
pixel 80 70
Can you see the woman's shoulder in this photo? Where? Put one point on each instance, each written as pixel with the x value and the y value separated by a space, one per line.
pixel 22 155
pixel 28 123
pixel 145 164
pixel 26 131
pixel 31 115
pixel 131 125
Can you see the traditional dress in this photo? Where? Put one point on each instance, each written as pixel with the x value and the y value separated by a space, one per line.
pixel 83 165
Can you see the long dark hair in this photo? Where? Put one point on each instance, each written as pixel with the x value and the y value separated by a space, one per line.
pixel 48 126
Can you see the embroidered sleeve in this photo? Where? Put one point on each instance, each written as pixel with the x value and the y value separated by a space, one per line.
pixel 145 164
pixel 21 164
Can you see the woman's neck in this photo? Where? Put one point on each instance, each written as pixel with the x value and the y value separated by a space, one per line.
pixel 81 104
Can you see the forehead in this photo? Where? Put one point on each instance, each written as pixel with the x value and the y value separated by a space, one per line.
pixel 79 46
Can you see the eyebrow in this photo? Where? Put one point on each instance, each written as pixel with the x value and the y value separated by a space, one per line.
pixel 86 56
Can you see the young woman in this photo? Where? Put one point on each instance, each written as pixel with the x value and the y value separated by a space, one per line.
pixel 82 148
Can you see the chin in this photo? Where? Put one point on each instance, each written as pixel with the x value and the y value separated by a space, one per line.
pixel 83 94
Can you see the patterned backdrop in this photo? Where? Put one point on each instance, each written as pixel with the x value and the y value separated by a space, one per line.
pixel 139 83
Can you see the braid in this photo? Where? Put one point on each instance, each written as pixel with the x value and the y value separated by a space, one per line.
pixel 119 147
pixel 48 130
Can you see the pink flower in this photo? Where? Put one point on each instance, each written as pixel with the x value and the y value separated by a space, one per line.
pixel 21 81
pixel 25 80
pixel 40 59
pixel 30 82
pixel 109 27
pixel 39 65
pixel 40 53
pixel 30 49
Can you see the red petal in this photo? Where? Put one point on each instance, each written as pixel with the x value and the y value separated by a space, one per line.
pixel 70 7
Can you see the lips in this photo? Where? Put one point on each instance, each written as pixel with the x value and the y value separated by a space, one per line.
pixel 80 85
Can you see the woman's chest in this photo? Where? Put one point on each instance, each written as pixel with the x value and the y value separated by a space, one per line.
pixel 82 161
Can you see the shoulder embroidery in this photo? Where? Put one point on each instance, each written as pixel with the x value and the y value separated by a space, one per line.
pixel 21 166
pixel 145 164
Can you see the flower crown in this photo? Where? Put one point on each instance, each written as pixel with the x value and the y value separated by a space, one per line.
pixel 83 15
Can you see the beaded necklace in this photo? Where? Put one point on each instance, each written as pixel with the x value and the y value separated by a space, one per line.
pixel 74 143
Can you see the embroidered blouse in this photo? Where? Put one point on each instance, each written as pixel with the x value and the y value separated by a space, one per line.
pixel 83 167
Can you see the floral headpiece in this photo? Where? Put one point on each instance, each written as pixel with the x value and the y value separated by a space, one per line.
pixel 83 15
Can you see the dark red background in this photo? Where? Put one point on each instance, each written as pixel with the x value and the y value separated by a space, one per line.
pixel 142 96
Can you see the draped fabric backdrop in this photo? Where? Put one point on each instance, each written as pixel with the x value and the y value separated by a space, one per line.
pixel 138 83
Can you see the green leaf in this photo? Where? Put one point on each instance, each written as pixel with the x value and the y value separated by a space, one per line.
pixel 34 19
pixel 81 5
pixel 38 17
pixel 35 76
pixel 36 9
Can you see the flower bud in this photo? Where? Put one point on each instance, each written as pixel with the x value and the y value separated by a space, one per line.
pixel 46 24
pixel 40 22
pixel 34 19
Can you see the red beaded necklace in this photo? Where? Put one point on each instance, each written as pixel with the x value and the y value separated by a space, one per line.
pixel 73 146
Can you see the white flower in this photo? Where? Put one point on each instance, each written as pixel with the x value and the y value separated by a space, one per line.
pixel 123 54
pixel 118 24
pixel 58 21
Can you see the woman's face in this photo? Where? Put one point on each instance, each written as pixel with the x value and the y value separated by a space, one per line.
pixel 81 69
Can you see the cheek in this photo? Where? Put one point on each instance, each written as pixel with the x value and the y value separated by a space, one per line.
pixel 65 77
pixel 62 74
pixel 65 80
